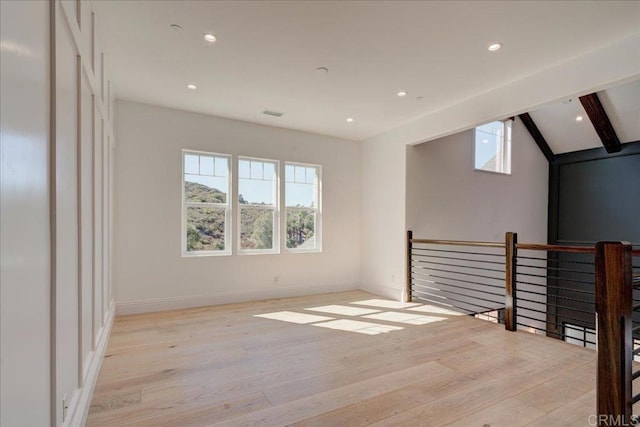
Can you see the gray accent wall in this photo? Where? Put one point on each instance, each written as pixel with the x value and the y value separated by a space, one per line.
pixel 447 199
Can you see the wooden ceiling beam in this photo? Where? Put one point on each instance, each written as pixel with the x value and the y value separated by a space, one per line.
pixel 601 122
pixel 537 136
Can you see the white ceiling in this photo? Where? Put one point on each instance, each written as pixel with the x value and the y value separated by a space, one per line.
pixel 267 53
pixel 622 105
pixel 558 125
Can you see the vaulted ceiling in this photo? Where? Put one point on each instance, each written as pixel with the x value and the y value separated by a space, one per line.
pixel 566 126
pixel 267 53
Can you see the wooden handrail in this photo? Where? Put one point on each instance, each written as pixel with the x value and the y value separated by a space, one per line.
pixel 459 243
pixel 521 246
pixel 557 248
pixel 614 281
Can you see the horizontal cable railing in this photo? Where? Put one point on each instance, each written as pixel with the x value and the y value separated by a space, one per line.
pixel 467 277
pixel 556 291
pixel 567 292
pixel 635 277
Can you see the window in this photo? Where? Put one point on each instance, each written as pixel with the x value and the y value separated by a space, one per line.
pixel 495 316
pixel 205 207
pixel 493 147
pixel 302 203
pixel 207 201
pixel 580 335
pixel 258 205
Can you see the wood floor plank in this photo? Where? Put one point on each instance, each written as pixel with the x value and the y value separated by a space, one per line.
pixel 561 389
pixel 368 411
pixel 319 403
pixel 506 413
pixel 406 419
pixel 223 365
pixel 573 413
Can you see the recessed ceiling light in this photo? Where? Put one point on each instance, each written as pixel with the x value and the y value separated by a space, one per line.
pixel 175 27
pixel 192 87
pixel 420 98
pixel 209 37
pixel 579 118
pixel 402 93
pixel 322 70
pixel 350 120
pixel 494 46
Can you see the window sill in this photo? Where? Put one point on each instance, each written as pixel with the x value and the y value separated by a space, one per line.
pixel 204 254
pixel 303 251
pixel 492 172
pixel 249 252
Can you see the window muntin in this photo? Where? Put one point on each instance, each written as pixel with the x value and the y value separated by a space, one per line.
pixel 206 189
pixel 206 207
pixel 492 147
pixel 258 205
pixel 302 205
pixel 580 335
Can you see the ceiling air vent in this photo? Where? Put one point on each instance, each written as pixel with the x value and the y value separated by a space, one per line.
pixel 272 113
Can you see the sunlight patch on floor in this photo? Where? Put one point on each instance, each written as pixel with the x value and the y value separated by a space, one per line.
pixel 293 317
pixel 410 313
pixel 408 318
pixel 385 303
pixel 358 327
pixel 344 310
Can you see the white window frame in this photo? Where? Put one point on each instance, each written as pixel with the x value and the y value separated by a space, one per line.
pixel 504 153
pixel 275 207
pixel 588 334
pixel 317 210
pixel 227 206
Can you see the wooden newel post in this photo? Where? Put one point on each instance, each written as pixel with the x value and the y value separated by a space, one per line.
pixel 510 303
pixel 614 300
pixel 407 284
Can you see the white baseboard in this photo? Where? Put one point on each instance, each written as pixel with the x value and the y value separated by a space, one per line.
pixel 190 301
pixel 384 291
pixel 80 410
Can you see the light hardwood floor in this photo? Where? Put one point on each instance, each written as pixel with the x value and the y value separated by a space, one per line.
pixel 223 365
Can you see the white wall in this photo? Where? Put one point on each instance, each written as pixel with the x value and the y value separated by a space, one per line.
pixel 24 214
pixel 383 157
pixel 432 189
pixel 383 217
pixel 447 199
pixel 82 144
pixel 55 306
pixel 151 274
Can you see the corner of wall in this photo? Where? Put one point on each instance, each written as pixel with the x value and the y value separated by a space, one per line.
pixel 384 291
pixel 382 266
